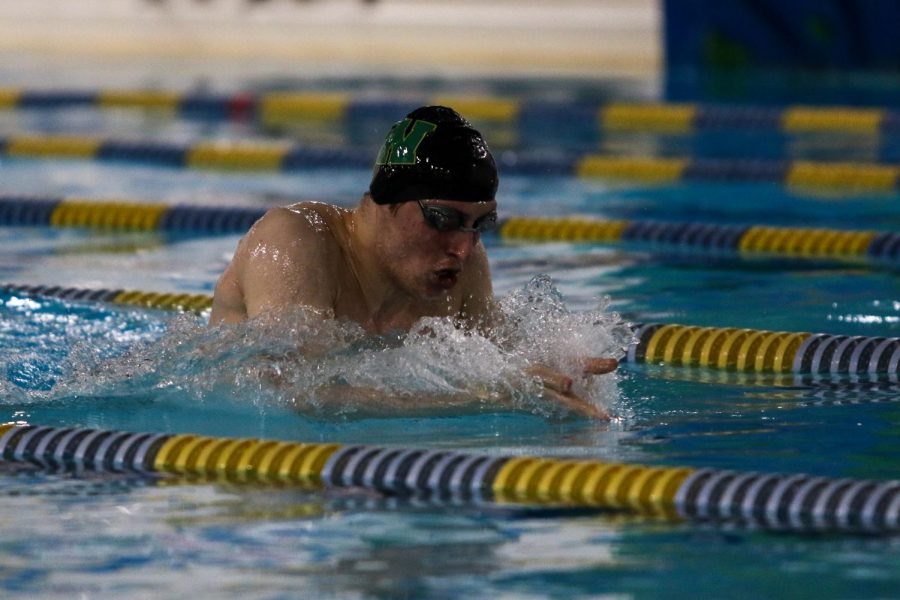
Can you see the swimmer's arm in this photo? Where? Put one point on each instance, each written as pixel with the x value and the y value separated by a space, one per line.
pixel 284 260
pixel 363 401
pixel 337 399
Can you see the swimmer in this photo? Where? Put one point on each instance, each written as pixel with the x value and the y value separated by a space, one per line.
pixel 411 248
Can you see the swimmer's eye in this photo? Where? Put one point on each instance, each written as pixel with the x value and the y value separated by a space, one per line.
pixel 444 218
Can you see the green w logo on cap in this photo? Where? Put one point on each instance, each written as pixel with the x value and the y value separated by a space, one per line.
pixel 403 141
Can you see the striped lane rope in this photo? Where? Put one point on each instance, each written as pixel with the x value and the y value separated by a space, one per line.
pixel 219 155
pixel 196 303
pixel 760 351
pixel 776 500
pixel 285 157
pixel 30 211
pixel 814 243
pixel 848 176
pixel 279 108
pixel 724 348
pixel 789 242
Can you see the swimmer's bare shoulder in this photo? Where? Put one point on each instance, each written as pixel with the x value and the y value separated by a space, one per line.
pixel 289 257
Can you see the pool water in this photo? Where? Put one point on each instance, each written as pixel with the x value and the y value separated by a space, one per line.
pixel 96 365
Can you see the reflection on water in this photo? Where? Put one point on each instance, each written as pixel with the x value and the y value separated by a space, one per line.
pixel 813 425
pixel 271 536
pixel 240 542
pixel 793 389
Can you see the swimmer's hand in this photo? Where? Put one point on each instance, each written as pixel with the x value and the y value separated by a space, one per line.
pixel 558 386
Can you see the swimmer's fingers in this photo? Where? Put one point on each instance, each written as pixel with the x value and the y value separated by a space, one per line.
pixel 577 405
pixel 552 380
pixel 561 383
pixel 599 366
pixel 558 388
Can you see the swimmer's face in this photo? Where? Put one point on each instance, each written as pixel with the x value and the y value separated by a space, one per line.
pixel 425 249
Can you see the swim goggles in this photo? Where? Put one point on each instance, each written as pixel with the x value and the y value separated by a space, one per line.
pixel 444 219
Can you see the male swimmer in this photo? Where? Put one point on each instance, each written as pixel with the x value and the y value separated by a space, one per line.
pixel 410 249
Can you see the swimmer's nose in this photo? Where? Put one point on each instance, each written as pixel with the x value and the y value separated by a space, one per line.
pixel 461 243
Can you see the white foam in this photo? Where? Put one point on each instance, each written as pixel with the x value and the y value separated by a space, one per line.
pixel 304 360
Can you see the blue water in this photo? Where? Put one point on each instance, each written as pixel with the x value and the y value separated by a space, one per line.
pixel 65 364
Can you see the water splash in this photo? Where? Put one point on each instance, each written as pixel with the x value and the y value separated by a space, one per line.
pixel 300 359
pixel 540 327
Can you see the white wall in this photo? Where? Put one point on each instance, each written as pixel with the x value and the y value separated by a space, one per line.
pixel 563 37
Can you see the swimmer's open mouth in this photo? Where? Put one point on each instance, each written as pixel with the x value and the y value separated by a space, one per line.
pixel 446 278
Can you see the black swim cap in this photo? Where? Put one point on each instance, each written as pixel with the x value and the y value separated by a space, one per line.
pixel 433 154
